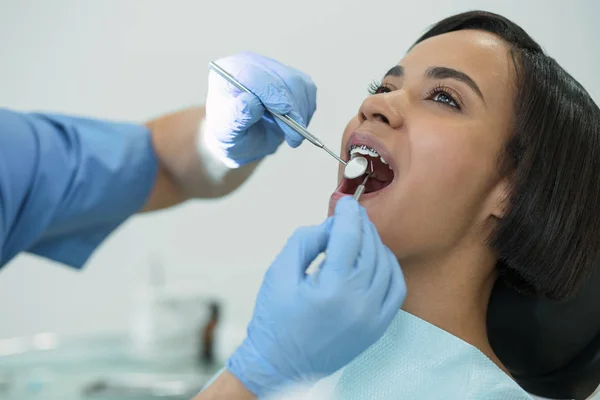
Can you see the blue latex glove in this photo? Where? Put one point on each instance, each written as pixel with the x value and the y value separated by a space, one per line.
pixel 237 128
pixel 304 329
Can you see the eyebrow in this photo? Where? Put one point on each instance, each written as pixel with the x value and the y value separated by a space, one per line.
pixel 397 71
pixel 441 73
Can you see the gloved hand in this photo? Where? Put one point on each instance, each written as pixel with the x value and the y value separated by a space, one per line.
pixel 304 329
pixel 237 129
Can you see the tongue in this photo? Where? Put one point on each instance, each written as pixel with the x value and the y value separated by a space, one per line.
pixel 373 185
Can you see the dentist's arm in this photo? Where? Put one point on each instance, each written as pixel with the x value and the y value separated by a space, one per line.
pixel 187 169
pixel 226 387
pixel 304 329
pixel 67 182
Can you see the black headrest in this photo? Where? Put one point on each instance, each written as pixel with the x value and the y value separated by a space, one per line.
pixel 552 349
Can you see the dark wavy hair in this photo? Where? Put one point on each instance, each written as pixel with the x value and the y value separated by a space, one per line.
pixel 549 241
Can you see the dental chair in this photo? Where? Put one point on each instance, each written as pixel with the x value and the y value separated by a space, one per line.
pixel 551 349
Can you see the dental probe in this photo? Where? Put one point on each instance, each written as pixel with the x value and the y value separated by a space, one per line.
pixel 361 188
pixel 353 169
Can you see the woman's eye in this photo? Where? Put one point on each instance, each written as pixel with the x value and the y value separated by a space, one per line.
pixel 444 96
pixel 377 88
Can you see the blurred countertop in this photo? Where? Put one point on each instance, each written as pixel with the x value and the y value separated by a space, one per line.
pixel 108 367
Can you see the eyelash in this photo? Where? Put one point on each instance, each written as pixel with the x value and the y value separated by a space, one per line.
pixel 378 88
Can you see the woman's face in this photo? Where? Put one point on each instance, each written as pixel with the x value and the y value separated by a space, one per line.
pixel 440 120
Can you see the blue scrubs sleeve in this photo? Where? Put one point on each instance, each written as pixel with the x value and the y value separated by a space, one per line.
pixel 66 183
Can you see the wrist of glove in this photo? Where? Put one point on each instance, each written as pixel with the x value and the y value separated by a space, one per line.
pixel 213 160
pixel 255 372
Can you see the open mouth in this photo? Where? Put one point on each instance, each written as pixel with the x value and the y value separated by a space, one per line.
pixel 382 175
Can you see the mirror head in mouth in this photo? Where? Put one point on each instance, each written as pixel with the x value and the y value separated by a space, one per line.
pixel 382 175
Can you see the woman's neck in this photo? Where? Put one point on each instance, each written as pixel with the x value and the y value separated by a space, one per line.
pixel 453 294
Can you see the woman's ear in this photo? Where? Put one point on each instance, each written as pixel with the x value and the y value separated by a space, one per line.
pixel 499 199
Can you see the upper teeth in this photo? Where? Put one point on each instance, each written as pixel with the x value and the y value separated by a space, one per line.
pixel 366 151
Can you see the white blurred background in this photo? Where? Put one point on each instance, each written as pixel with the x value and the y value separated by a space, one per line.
pixel 134 60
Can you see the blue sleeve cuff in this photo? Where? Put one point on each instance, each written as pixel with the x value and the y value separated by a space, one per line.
pixel 117 171
pixel 74 251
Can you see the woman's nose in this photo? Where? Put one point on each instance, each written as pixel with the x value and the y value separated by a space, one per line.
pixel 381 107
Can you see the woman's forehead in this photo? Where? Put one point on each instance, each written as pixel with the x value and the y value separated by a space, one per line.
pixel 481 55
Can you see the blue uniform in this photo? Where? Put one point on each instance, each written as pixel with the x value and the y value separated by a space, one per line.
pixel 66 183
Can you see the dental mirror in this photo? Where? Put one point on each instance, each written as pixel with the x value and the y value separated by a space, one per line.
pixel 356 167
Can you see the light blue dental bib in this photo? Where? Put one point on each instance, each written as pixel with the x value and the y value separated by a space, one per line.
pixel 416 360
